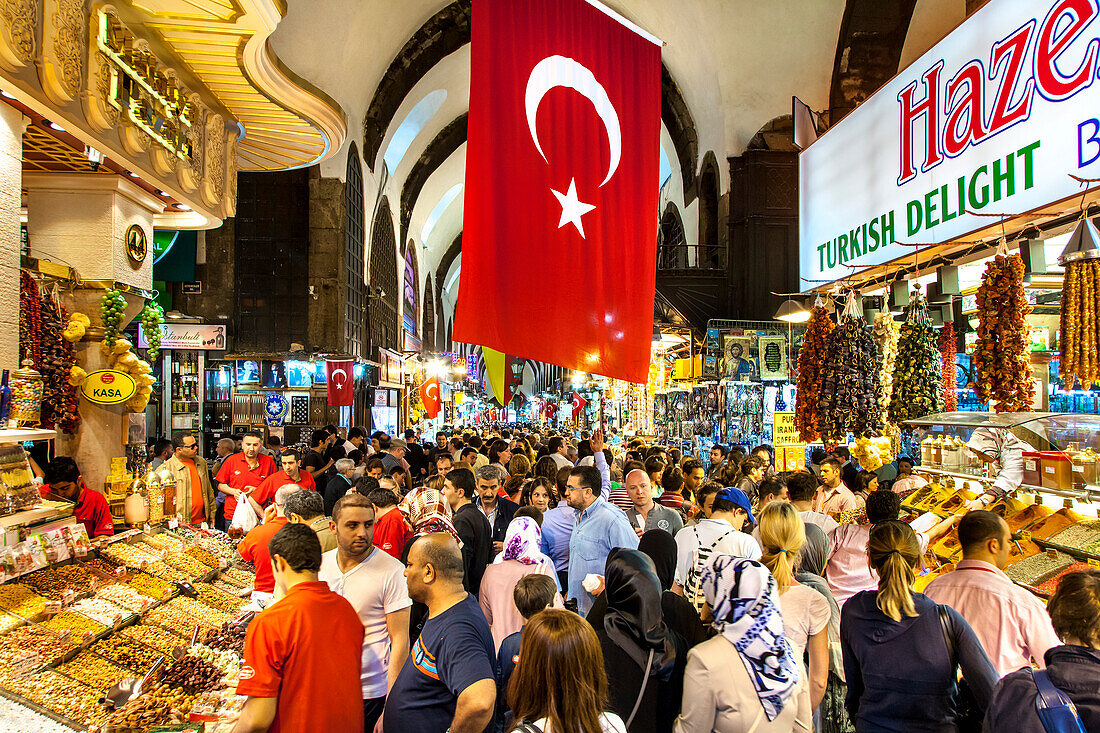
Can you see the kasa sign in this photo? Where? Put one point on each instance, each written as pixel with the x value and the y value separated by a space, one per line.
pixel 993 120
pixel 108 387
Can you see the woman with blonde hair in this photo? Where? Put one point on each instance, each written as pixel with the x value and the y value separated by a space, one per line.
pixel 559 684
pixel 901 650
pixel 805 611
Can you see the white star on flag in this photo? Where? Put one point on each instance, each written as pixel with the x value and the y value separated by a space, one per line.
pixel 572 208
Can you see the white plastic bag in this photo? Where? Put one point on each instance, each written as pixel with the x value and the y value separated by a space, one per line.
pixel 244 516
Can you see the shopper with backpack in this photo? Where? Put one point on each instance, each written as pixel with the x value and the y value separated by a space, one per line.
pixel 721 533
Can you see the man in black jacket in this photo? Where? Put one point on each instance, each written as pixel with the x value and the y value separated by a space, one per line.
pixel 473 528
pixel 499 510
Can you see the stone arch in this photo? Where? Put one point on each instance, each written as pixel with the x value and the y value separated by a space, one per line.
pixel 709 252
pixel 382 309
pixel 449 139
pixel 354 290
pixel 672 253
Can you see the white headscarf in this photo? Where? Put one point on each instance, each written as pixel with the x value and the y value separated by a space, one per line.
pixel 743 598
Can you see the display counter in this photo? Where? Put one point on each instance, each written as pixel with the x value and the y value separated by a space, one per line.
pixel 167 608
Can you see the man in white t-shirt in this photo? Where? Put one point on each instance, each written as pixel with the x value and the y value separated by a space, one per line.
pixel 373 582
pixel 720 533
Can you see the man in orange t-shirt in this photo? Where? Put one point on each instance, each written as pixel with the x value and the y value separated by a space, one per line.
pixel 292 473
pixel 254 547
pixel 304 649
pixel 194 493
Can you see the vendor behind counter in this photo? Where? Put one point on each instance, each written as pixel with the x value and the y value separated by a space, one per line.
pixel 63 481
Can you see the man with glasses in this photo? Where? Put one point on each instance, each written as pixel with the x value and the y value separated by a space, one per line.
pixel 194 492
pixel 600 526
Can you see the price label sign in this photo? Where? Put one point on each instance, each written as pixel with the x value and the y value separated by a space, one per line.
pixel 1052 553
pixel 222 563
pixel 783 429
pixel 173 524
pixel 1093 562
pixel 67 597
pixel 1025 536
pixel 52 608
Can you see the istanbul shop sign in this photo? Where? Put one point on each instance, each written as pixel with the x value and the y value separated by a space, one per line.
pixel 187 336
pixel 992 120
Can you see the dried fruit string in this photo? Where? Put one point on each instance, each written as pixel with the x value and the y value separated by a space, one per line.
pixel 1079 332
pixel 849 398
pixel 1002 355
pixel 811 371
pixel 917 385
pixel 950 368
pixel 30 324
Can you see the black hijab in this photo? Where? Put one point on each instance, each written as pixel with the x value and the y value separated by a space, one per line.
pixel 634 618
pixel 659 546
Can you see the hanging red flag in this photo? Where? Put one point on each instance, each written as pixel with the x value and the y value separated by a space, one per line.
pixel 562 162
pixel 429 395
pixel 551 410
pixel 339 375
pixel 578 404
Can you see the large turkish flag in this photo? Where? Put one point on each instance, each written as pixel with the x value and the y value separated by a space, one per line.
pixel 560 221
pixel 339 377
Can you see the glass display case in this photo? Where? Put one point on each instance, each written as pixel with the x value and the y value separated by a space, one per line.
pixel 1060 452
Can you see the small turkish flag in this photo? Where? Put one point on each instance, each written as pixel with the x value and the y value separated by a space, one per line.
pixel 339 374
pixel 562 162
pixel 429 395
pixel 551 408
pixel 578 403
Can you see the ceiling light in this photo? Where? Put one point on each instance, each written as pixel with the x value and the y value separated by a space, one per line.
pixel 792 311
pixel 161 193
pixel 6 95
pixel 53 125
pixel 183 207
pixel 1084 243
pixel 132 174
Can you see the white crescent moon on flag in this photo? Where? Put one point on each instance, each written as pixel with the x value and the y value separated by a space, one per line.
pixel 433 387
pixel 342 381
pixel 559 71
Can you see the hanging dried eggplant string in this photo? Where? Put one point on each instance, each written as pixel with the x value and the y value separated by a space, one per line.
pixel 950 368
pixel 918 386
pixel 1002 355
pixel 811 367
pixel 849 398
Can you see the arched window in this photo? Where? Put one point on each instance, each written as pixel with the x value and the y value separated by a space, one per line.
pixel 353 255
pixel 427 328
pixel 382 308
pixel 710 251
pixel 410 305
pixel 671 247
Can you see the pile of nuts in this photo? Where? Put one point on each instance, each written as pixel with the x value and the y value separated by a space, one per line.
pixel 228 587
pixel 149 585
pixel 204 556
pixel 165 542
pixel 199 612
pixel 9 622
pixel 173 619
pixel 75 624
pixel 130 654
pixel 21 600
pixel 60 694
pixel 49 583
pixel 101 611
pixel 164 570
pixel 160 706
pixel 219 599
pixel 98 564
pixel 238 577
pixel 124 554
pixel 154 636
pixel 194 568
pixel 32 640
pixel 192 674
pixel 124 596
pixel 94 671
pixel 78 578
pixel 225 660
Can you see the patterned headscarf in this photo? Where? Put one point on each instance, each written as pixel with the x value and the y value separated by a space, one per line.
pixel 427 511
pixel 743 598
pixel 522 542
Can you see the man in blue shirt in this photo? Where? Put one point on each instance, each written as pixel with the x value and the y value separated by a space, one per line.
pixel 600 527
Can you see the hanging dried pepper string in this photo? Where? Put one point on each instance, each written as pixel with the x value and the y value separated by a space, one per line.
pixel 1002 355
pixel 811 370
pixel 30 325
pixel 950 368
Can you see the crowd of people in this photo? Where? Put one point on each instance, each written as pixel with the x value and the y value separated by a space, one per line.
pixel 514 580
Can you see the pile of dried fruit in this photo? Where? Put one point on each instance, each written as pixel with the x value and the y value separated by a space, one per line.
pixel 849 398
pixel 1002 356
pixel 918 390
pixel 811 373
pixel 886 332
pixel 30 329
pixel 950 373
pixel 1080 334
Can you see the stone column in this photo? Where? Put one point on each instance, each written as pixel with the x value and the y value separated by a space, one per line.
pixel 82 221
pixel 12 124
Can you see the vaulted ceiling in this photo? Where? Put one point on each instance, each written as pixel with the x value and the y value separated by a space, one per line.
pixel 401 71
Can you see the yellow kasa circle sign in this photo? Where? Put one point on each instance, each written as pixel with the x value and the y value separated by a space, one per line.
pixel 108 387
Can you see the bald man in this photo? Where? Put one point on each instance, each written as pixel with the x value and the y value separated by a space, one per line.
pixel 646 514
pixel 449 680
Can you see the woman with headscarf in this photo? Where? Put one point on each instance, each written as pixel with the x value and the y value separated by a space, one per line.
pixel 426 511
pixel 640 651
pixel 521 556
pixel 747 678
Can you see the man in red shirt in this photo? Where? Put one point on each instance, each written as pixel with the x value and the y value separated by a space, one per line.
pixel 304 649
pixel 63 481
pixel 254 547
pixel 291 474
pixel 242 472
pixel 391 532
